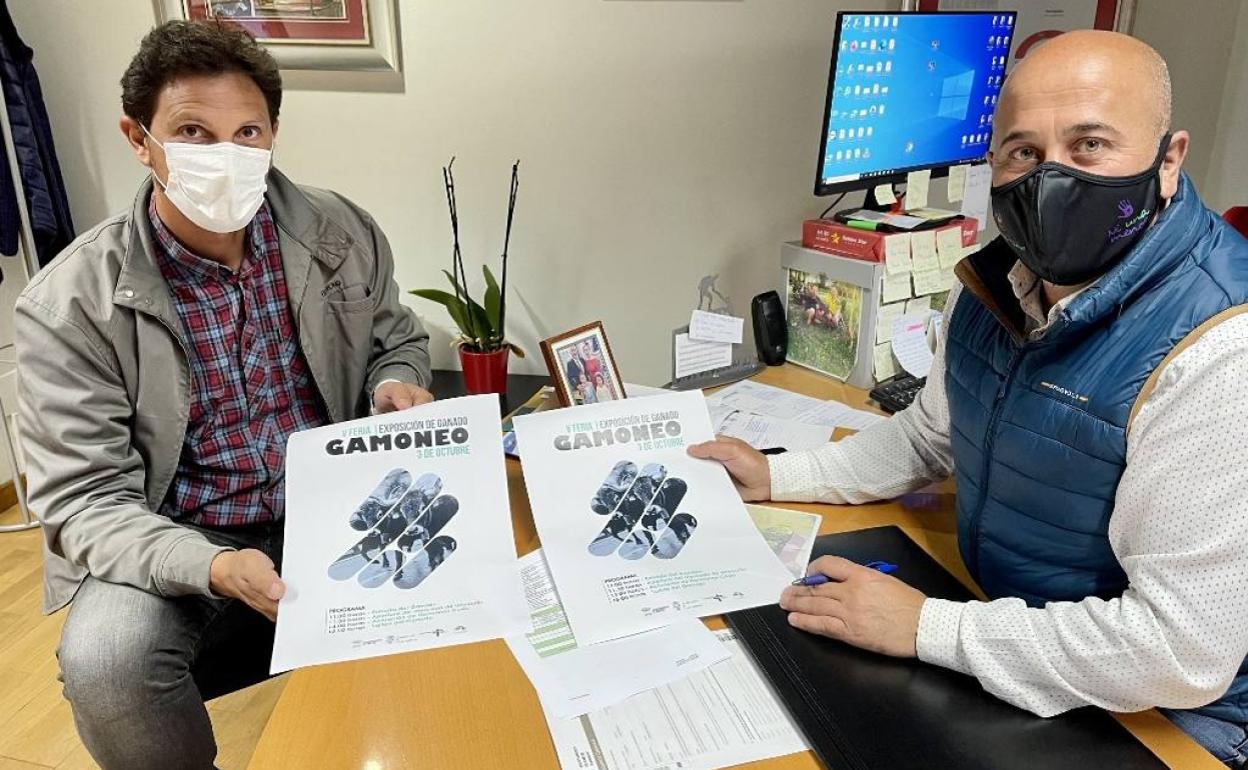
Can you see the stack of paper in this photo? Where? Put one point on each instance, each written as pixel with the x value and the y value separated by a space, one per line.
pixel 760 399
pixel 708 343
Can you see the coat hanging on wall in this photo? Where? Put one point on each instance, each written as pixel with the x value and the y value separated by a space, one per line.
pixel 46 202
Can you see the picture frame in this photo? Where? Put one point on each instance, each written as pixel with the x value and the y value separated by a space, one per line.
pixel 326 35
pixel 582 366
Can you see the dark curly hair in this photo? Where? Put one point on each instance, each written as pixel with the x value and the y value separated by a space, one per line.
pixel 178 48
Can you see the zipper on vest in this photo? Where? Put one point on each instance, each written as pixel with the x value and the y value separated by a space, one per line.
pixel 990 439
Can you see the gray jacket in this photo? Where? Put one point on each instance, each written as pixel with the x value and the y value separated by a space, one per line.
pixel 105 380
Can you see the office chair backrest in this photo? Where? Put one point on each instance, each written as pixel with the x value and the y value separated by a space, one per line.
pixel 1237 216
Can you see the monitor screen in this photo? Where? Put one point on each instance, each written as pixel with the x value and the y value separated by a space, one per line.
pixel 910 91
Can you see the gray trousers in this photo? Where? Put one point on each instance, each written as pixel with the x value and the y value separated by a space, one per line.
pixel 138 667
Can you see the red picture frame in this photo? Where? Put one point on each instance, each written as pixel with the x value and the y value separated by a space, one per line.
pixel 320 22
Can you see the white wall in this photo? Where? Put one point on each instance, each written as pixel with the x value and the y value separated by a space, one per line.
pixel 1228 175
pixel 661 141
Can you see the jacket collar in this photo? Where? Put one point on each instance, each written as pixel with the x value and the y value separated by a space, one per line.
pixel 1162 249
pixel 307 235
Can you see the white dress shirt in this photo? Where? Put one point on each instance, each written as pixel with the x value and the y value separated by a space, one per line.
pixel 1179 528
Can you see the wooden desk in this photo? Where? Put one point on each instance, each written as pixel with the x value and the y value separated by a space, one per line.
pixel 472 707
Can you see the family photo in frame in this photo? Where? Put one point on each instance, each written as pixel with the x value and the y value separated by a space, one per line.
pixel 582 366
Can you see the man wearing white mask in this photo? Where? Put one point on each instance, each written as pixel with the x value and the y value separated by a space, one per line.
pixel 165 357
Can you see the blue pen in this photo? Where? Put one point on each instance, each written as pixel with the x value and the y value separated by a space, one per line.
pixel 886 567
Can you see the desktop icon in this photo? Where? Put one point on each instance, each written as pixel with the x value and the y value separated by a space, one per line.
pixel 871 45
pixel 875 88
pixel 892 43
pixel 870 130
pixel 888 66
pixel 857 152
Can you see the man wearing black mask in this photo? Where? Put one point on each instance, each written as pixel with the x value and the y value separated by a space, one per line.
pixel 1089 396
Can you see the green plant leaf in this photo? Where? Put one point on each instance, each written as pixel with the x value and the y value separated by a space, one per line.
pixel 454 306
pixel 493 301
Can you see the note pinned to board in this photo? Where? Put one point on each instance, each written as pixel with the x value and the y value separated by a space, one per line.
pixel 715 327
pixel 694 357
pixel 897 253
pixel 884 194
pixel 916 188
pixel 976 192
pixel 884 323
pixel 923 250
pixel 926 282
pixel 949 244
pixel 896 287
pixel 957 183
pixel 910 346
pixel 885 366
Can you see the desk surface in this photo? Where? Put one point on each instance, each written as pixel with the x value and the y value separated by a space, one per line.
pixel 472 706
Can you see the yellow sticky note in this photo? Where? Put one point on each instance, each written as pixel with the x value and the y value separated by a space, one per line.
pixel 957 182
pixel 884 321
pixel 923 250
pixel 919 305
pixel 916 188
pixel 949 244
pixel 885 367
pixel 896 287
pixel 884 194
pixel 947 279
pixel 926 282
pixel 897 253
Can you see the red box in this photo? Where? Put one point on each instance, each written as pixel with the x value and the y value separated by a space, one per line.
pixel 867 245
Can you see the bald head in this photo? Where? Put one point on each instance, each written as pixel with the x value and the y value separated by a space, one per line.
pixel 1094 100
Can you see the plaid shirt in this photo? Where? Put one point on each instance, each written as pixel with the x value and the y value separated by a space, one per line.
pixel 251 387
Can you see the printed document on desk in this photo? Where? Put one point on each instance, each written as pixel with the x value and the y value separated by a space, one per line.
pixel 572 680
pixel 398 536
pixel 763 432
pixel 636 532
pixel 723 716
pixel 750 396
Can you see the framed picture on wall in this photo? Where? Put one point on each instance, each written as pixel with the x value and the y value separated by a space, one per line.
pixel 1039 20
pixel 307 34
pixel 582 366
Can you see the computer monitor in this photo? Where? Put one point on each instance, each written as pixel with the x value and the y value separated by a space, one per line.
pixel 910 91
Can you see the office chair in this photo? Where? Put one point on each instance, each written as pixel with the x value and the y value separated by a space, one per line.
pixel 1237 217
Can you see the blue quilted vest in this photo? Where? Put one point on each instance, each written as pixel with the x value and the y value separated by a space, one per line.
pixel 1039 427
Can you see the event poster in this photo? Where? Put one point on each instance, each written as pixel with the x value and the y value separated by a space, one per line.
pixel 636 532
pixel 398 536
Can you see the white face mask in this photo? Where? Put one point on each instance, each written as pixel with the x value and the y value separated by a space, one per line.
pixel 219 187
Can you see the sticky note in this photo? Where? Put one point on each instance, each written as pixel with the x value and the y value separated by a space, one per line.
pixel 923 250
pixel 896 287
pixel 926 282
pixel 884 194
pixel 916 188
pixel 949 244
pixel 976 193
pixel 947 279
pixel 897 253
pixel 919 305
pixel 884 322
pixel 957 182
pixel 885 367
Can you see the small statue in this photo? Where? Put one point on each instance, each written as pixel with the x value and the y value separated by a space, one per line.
pixel 708 292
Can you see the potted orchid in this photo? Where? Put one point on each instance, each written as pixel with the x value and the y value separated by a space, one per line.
pixel 482 341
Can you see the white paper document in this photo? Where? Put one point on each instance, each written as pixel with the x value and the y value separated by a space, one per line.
pixel 976 193
pixel 694 357
pixel 910 344
pixel 791 534
pixel 723 716
pixel 916 188
pixel 642 391
pixel 715 327
pixel 763 432
pixel 957 183
pixel 572 680
pixel 398 536
pixel 750 396
pixel 636 532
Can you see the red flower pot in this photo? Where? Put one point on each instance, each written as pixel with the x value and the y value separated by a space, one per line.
pixel 484 372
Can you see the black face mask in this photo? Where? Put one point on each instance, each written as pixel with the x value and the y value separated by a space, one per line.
pixel 1069 226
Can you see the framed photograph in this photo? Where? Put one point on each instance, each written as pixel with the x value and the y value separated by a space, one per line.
pixel 582 366
pixel 307 34
pixel 824 317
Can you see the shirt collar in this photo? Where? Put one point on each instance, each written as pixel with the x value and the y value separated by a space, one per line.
pixel 1030 293
pixel 171 252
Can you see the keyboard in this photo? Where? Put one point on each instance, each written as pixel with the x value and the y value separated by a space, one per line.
pixel 894 395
